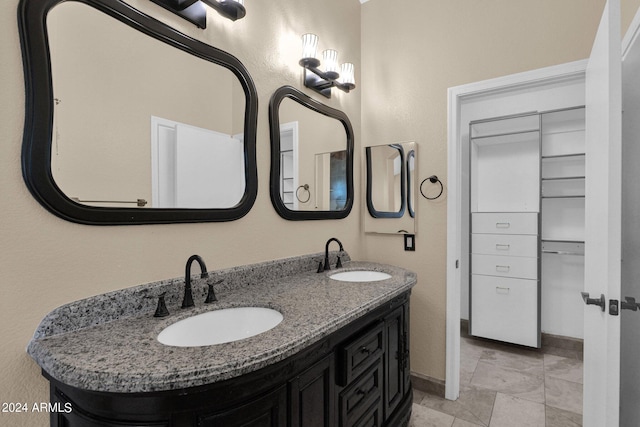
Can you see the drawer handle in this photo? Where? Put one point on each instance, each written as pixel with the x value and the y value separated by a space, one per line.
pixel 365 350
pixel 501 290
pixel 502 247
pixel 503 224
pixel 503 268
pixel 360 391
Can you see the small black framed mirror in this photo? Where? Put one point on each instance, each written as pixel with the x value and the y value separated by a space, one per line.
pixel 311 158
pixel 391 172
pixel 101 79
pixel 386 181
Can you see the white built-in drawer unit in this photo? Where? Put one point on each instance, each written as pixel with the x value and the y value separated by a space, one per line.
pixel 505 244
pixel 505 223
pixel 505 309
pixel 505 266
pixel 504 183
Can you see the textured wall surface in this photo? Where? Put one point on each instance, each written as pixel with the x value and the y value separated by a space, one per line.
pixel 412 52
pixel 46 262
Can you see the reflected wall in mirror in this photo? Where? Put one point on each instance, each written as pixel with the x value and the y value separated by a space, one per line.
pixel 311 158
pixel 391 188
pixel 146 125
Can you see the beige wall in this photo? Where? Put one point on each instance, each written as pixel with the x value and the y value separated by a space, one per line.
pixel 46 262
pixel 412 50
pixel 411 53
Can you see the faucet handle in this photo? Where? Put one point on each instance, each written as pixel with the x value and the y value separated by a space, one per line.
pixel 320 268
pixel 211 295
pixel 161 309
pixel 339 262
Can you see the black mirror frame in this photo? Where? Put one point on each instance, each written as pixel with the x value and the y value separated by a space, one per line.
pixel 410 201
pixel 403 199
pixel 274 126
pixel 38 126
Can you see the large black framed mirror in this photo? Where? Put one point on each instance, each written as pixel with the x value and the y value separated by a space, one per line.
pixel 129 121
pixel 311 158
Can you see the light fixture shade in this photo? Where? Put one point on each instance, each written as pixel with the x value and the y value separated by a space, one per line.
pixel 330 61
pixel 309 45
pixel 347 74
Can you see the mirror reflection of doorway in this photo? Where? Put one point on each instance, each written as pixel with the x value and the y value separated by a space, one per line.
pixel 194 167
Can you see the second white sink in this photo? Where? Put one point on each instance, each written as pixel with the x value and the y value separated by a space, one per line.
pixel 220 326
pixel 360 276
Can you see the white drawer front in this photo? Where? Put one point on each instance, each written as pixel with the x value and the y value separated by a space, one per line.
pixel 505 223
pixel 505 244
pixel 505 309
pixel 505 266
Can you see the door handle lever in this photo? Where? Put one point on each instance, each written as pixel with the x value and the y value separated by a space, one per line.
pixel 594 301
pixel 629 304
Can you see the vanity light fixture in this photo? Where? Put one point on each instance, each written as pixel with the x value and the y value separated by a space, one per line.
pixel 195 12
pixel 323 81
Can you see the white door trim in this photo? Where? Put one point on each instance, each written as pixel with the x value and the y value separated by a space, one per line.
pixel 455 216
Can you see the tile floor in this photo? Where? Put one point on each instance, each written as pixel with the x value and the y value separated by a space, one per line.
pixel 507 386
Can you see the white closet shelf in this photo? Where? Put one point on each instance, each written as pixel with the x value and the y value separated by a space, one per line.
pixel 564 197
pixel 562 178
pixel 560 156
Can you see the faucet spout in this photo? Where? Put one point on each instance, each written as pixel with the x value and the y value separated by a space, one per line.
pixel 187 300
pixel 326 254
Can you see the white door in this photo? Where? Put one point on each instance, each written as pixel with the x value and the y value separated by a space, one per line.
pixel 630 315
pixel 209 169
pixel 192 167
pixel 603 223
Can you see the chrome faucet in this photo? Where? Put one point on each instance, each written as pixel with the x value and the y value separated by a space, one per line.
pixel 327 266
pixel 187 301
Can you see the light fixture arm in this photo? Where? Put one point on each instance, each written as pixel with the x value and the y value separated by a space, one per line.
pixel 320 81
pixel 231 9
pixel 195 11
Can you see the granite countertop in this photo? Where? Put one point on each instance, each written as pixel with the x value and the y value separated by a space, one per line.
pixel 122 354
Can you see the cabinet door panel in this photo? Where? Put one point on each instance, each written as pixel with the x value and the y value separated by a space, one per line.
pixel 394 370
pixel 311 396
pixel 267 411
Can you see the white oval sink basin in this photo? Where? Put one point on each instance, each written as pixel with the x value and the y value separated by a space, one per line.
pixel 220 326
pixel 360 276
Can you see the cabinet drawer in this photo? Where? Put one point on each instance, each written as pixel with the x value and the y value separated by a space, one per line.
pixel 363 395
pixel 505 223
pixel 505 266
pixel 359 353
pixel 505 309
pixel 372 416
pixel 505 244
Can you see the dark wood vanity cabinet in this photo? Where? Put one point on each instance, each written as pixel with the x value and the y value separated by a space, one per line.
pixel 356 377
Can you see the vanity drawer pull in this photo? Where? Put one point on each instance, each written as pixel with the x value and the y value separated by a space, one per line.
pixel 502 247
pixel 501 290
pixel 365 350
pixel 503 224
pixel 503 268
